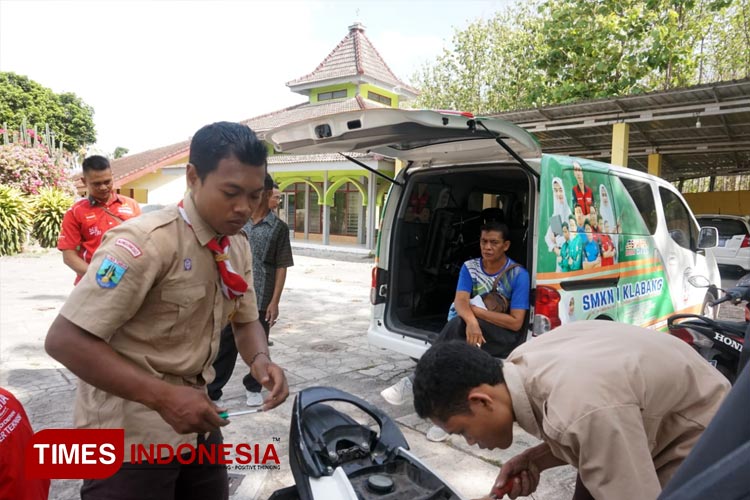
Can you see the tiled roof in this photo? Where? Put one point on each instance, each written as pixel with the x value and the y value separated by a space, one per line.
pixel 353 56
pixel 131 167
pixel 148 161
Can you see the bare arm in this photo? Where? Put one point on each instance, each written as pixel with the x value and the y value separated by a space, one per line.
pixel 466 311
pixel 512 320
pixel 253 347
pixel 272 311
pixel 94 361
pixel 73 261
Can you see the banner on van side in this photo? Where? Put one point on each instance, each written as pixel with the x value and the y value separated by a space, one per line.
pixel 602 257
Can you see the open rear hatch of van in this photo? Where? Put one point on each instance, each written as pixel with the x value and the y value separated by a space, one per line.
pixel 422 137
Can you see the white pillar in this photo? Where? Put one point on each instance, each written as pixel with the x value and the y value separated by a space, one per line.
pixel 326 211
pixel 307 211
pixel 361 216
pixel 372 193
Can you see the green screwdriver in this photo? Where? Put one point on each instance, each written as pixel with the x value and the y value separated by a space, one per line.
pixel 225 414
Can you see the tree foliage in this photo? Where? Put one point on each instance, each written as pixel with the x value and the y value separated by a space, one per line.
pixel 558 51
pixel 71 119
pixel 120 152
pixel 482 72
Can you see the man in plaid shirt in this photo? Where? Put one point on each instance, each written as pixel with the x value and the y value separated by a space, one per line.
pixel 272 254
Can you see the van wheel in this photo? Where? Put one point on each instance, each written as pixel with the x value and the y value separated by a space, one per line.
pixel 604 318
pixel 708 310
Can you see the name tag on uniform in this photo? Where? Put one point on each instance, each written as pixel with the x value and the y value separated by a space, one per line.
pixel 125 209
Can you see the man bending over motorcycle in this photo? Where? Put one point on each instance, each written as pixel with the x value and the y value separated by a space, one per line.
pixel 622 404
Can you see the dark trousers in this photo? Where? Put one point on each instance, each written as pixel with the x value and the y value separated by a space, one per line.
pixel 172 481
pixel 227 358
pixel 499 341
pixel 581 493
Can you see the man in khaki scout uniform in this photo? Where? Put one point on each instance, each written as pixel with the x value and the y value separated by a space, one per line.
pixel 141 329
pixel 622 404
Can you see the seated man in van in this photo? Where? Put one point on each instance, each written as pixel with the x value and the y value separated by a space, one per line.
pixel 495 332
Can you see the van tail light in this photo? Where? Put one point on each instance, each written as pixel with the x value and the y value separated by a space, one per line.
pixel 378 286
pixel 546 310
pixel 745 242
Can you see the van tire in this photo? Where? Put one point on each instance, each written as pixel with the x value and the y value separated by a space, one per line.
pixel 708 310
pixel 604 318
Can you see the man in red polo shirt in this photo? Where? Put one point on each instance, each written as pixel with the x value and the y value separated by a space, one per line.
pixel 89 218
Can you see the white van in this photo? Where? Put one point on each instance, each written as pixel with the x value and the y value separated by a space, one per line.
pixel 637 256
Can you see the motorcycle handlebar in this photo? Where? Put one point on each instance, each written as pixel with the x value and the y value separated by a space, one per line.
pixel 725 298
pixel 734 294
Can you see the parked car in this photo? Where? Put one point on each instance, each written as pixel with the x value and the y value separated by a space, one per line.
pixel 733 250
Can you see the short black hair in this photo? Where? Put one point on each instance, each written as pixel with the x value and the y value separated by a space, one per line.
pixel 275 186
pixel 95 162
pixel 446 373
pixel 496 226
pixel 220 140
pixel 268 183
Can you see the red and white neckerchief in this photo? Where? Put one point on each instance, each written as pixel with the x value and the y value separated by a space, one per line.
pixel 232 284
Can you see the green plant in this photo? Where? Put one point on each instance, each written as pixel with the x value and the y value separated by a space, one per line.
pixel 15 220
pixel 49 207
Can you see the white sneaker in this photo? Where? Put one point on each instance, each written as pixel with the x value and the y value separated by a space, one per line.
pixel 219 402
pixel 399 393
pixel 253 398
pixel 436 434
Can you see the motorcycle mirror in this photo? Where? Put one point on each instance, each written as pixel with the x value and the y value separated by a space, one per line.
pixel 699 281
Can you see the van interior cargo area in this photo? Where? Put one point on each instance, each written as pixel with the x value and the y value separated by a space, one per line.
pixel 430 246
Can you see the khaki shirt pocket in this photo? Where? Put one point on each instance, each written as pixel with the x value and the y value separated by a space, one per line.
pixel 183 303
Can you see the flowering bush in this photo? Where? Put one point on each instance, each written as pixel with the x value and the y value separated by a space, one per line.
pixel 31 168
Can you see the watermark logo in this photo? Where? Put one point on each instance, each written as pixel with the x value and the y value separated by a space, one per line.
pixel 99 453
pixel 74 453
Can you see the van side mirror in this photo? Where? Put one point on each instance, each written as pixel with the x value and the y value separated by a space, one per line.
pixel 699 281
pixel 708 237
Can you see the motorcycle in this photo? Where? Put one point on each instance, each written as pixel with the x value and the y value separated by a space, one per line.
pixel 332 456
pixel 720 342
